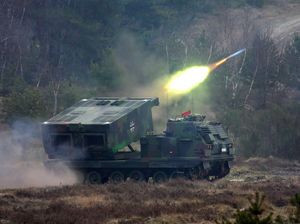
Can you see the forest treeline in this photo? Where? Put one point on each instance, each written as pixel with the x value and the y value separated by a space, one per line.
pixel 54 52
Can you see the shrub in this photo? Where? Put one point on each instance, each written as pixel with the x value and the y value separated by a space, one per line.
pixel 255 213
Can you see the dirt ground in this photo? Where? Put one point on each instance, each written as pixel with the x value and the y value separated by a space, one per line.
pixel 178 201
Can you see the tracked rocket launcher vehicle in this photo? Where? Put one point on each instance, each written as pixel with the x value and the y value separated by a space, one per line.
pixel 91 135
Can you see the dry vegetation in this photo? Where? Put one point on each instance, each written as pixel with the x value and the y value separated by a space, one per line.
pixel 177 201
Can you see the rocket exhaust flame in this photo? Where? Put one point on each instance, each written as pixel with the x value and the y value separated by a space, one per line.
pixel 185 80
pixel 217 64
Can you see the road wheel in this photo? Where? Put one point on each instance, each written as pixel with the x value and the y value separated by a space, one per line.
pixel 173 175
pixel 177 174
pixel 136 175
pixel 193 173
pixel 202 173
pixel 116 177
pixel 93 177
pixel 159 177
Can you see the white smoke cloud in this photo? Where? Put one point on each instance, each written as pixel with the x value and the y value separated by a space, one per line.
pixel 22 157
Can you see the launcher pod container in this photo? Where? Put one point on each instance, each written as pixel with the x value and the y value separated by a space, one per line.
pixel 92 137
pixel 97 128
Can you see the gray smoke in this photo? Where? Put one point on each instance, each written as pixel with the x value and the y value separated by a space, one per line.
pixel 22 157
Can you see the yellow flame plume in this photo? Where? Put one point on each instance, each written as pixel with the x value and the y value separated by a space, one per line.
pixel 185 80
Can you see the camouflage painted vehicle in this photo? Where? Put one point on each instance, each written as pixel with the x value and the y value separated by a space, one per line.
pixel 91 135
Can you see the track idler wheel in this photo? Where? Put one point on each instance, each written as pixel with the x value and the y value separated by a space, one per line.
pixel 116 177
pixel 136 175
pixel 219 170
pixel 159 177
pixel 93 177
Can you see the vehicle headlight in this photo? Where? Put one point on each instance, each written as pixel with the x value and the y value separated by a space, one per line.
pixel 223 150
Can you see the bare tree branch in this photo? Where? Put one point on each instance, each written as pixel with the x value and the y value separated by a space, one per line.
pixel 251 85
pixel 243 62
pixel 210 53
pixel 4 39
pixel 23 13
pixel 167 55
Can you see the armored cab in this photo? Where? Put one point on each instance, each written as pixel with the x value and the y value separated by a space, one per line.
pixel 190 139
pixel 97 128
